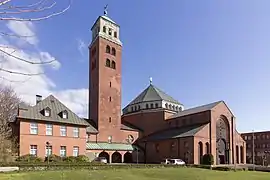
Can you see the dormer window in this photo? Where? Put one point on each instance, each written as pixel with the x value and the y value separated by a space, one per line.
pixel 47 112
pixel 64 115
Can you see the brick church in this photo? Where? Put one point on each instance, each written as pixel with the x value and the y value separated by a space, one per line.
pixel 150 128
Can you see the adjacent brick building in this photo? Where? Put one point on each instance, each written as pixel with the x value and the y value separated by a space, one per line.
pixel 260 141
pixel 151 127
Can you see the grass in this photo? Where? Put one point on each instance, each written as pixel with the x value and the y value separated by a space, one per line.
pixel 139 174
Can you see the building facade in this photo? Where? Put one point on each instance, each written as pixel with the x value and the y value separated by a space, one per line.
pixel 259 143
pixel 152 127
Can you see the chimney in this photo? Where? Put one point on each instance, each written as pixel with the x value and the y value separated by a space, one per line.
pixel 38 98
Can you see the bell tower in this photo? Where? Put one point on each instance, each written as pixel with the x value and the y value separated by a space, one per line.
pixel 105 52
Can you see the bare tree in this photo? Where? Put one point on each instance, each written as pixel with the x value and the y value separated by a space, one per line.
pixel 38 11
pixel 9 103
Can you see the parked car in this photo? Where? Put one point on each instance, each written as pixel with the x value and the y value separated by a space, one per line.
pixel 102 160
pixel 165 161
pixel 173 161
pixel 177 161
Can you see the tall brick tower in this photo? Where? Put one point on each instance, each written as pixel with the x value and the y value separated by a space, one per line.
pixel 105 53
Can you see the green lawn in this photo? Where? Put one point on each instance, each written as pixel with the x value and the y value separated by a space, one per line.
pixel 139 174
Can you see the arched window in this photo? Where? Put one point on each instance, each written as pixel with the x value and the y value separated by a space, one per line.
pixel 108 63
pixel 108 49
pixel 156 105
pixel 113 64
pixel 104 29
pixel 166 105
pixel 115 34
pixel 113 51
pixel 146 106
pixel 152 105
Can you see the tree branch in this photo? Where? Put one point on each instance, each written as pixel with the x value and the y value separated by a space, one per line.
pixel 37 19
pixel 22 7
pixel 27 61
pixel 3 2
pixel 20 11
pixel 15 35
pixel 13 81
pixel 20 73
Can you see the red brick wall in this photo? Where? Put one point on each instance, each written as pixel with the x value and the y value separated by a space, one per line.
pixel 27 139
pixel 107 113
pixel 197 118
pixel 182 146
pixel 149 121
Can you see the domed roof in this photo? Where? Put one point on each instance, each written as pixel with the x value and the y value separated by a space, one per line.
pixel 152 93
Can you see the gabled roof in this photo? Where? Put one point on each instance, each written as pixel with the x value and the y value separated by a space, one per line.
pixel 34 112
pixel 174 133
pixel 194 110
pixel 152 93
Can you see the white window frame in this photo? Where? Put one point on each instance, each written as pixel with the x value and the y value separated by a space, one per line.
pixel 76 132
pixel 48 151
pixel 75 151
pixel 63 130
pixel 64 115
pixel 33 150
pixel 63 151
pixel 47 112
pixel 49 129
pixel 33 128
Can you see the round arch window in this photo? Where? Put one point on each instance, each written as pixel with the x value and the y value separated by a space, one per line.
pixel 130 138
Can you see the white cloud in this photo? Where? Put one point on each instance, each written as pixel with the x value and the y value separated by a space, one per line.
pixel 25 30
pixel 81 46
pixel 27 87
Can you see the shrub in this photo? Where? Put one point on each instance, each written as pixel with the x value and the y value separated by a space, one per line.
pixel 208 159
pixel 53 158
pixel 29 158
pixel 82 158
pixel 70 159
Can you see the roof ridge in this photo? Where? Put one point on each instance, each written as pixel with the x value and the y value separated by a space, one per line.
pixel 163 92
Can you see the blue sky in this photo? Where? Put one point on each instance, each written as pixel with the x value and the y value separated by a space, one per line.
pixel 196 51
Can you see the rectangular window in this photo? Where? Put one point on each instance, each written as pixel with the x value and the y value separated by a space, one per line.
pixel 63 151
pixel 75 151
pixel 63 131
pixel 33 150
pixel 33 128
pixel 75 132
pixel 48 151
pixel 110 31
pixel 49 129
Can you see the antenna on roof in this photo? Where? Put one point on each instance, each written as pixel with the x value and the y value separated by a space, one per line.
pixel 151 80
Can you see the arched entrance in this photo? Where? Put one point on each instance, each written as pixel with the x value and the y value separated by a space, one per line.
pixel 105 155
pixel 222 140
pixel 200 152
pixel 241 154
pixel 207 148
pixel 237 154
pixel 128 157
pixel 116 157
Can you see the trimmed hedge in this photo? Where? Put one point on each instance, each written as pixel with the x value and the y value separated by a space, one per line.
pixel 89 166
